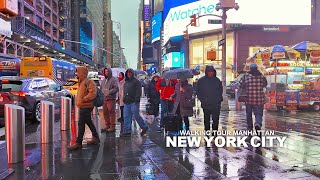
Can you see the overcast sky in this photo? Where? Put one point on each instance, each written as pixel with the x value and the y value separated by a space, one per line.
pixel 126 12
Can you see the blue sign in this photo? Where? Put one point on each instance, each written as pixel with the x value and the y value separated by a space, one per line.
pixel 168 4
pixel 156 27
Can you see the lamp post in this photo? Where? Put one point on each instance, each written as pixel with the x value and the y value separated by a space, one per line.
pixel 225 5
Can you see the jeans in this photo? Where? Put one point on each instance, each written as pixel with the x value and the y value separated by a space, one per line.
pixel 129 111
pixel 165 104
pixel 258 112
pixel 215 113
pixel 85 118
pixel 155 109
pixel 109 113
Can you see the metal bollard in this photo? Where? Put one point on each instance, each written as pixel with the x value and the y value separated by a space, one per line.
pixel 238 104
pixel 47 122
pixel 76 110
pixel 142 91
pixel 65 113
pixel 15 132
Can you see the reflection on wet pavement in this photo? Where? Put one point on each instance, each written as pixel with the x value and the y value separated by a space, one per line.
pixel 148 158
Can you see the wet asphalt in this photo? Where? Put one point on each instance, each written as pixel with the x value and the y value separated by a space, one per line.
pixel 148 157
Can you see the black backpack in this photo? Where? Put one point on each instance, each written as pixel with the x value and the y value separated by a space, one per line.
pixel 99 99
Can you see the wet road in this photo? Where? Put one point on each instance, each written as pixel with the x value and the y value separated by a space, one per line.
pixel 148 158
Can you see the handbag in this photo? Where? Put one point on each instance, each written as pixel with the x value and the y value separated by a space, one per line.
pixel 242 94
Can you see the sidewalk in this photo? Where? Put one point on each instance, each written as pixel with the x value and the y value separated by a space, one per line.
pixel 148 158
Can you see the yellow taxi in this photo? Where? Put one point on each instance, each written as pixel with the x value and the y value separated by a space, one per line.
pixel 72 86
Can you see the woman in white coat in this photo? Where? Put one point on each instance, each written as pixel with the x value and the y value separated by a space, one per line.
pixel 120 95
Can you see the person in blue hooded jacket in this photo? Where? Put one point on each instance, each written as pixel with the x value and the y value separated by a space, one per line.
pixel 209 92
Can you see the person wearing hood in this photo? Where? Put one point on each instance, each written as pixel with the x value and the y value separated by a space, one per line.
pixel 183 105
pixel 254 83
pixel 120 95
pixel 110 88
pixel 87 92
pixel 154 96
pixel 209 92
pixel 131 98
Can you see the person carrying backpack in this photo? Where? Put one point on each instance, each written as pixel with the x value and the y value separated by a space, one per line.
pixel 110 88
pixel 87 92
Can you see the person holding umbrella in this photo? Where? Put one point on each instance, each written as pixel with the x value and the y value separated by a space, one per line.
pixel 183 105
pixel 166 89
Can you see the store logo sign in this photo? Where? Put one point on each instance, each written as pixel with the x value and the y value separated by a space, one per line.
pixel 277 29
pixel 181 14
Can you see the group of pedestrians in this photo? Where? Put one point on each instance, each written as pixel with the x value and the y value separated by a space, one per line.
pixel 126 89
pixel 175 96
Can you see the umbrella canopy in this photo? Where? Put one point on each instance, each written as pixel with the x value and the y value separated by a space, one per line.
pixel 178 74
pixel 281 52
pixel 140 72
pixel 306 46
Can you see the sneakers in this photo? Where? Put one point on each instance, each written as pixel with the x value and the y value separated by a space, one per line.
pixel 257 127
pixel 144 131
pixel 93 141
pixel 74 147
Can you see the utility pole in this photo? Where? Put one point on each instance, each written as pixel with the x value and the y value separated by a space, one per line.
pixel 225 5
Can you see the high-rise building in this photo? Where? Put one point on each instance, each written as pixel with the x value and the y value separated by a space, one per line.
pixel 108 30
pixel 95 16
pixel 39 28
pixel 117 51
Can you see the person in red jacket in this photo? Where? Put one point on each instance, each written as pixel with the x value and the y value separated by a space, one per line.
pixel 166 89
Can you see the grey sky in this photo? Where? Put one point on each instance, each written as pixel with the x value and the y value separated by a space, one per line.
pixel 126 12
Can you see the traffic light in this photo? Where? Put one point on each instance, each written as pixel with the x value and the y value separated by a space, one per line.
pixel 193 20
pixel 186 35
pixel 62 44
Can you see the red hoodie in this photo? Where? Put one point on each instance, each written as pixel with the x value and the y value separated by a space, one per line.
pixel 166 91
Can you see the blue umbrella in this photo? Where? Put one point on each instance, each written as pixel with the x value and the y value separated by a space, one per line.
pixel 306 45
pixel 278 48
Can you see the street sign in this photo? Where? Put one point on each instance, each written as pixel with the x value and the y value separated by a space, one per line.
pixel 221 42
pixel 214 21
pixel 235 25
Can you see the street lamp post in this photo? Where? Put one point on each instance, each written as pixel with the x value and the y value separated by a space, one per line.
pixel 225 5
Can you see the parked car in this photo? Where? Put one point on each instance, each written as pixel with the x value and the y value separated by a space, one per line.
pixel 28 92
pixel 231 89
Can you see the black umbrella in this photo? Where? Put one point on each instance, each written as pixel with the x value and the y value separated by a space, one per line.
pixel 140 72
pixel 178 74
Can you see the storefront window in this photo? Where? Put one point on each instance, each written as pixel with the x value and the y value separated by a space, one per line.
pixel 198 54
pixel 196 51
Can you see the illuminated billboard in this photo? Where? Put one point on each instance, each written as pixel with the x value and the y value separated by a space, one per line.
pixel 86 36
pixel 173 59
pixel 251 12
pixel 156 27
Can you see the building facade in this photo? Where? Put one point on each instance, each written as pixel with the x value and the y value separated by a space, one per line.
pixel 37 30
pixel 108 32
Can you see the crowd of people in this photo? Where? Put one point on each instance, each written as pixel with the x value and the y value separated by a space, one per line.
pixel 175 96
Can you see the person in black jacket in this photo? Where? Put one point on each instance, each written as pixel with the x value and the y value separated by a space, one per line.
pixel 154 96
pixel 131 98
pixel 209 92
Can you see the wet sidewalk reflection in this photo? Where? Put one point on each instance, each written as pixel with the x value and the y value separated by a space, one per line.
pixel 147 157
